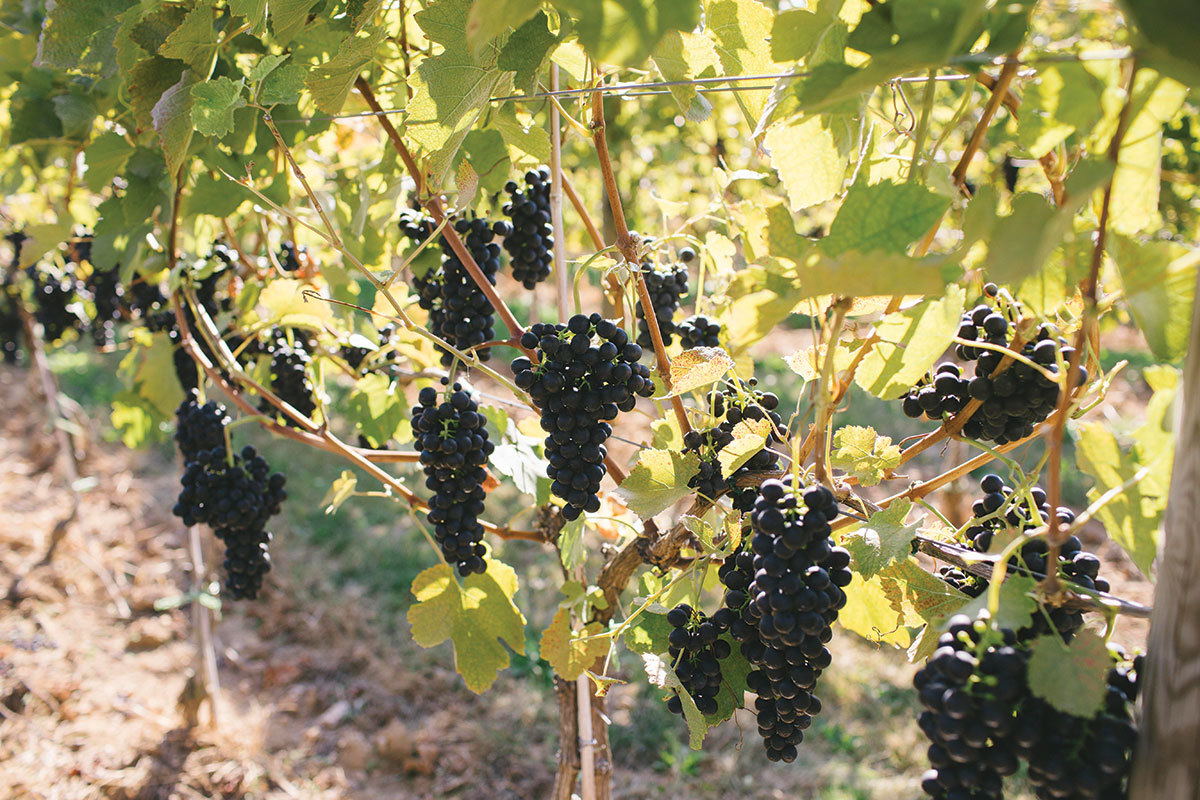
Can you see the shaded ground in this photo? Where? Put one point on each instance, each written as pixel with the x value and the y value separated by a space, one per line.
pixel 323 694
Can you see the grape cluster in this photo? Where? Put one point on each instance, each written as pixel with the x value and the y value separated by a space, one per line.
pixel 235 495
pixel 10 326
pixel 106 292
pixel 732 404
pixel 289 374
pixel 696 652
pixel 971 689
pixel 665 285
pixel 1097 765
pixel 699 331
pixel 453 439
pixel 1001 509
pixel 586 372
pixel 785 593
pixel 1013 401
pixel 459 311
pixel 529 238
pixel 289 256
pixel 54 293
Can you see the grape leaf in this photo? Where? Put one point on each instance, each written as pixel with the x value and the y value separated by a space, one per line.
pixel 330 82
pixel 288 17
pixel 624 32
pixel 341 490
pixel 475 615
pixel 806 155
pixel 732 695
pixel 684 56
pixel 661 674
pixel 883 540
pixel 910 342
pixel 255 12
pixel 79 34
pixel 172 116
pixel 1160 281
pixel 213 105
pixel 1016 607
pixel 283 85
pixel 741 30
pixel 884 607
pixel 133 418
pixel 1064 99
pixel 526 50
pixel 568 653
pixel 376 405
pixel 698 367
pixel 884 217
pixel 285 305
pixel 105 158
pixel 194 42
pixel 666 434
pixel 1071 678
pixel 265 66
pixel 658 480
pixel 794 34
pixel 864 454
pixel 749 437
pixel 648 633
pixel 147 82
pixel 489 19
pixel 41 239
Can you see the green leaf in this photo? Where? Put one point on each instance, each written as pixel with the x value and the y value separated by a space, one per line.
pixel 528 143
pixel 488 155
pixel 684 56
pixel 475 615
pixel 255 12
pixel 377 407
pixel 864 454
pixel 76 115
pixel 527 50
pixel 488 19
pixel 78 35
pixel 883 217
pixel 265 66
pixel 340 491
pixel 883 540
pixel 1016 607
pixel 732 696
pixel 213 195
pixel 41 239
pixel 869 274
pixel 884 607
pixel 154 377
pixel 795 33
pixel 172 116
pixel 283 85
pixel 741 30
pixel 624 32
pixel 662 675
pixel 1071 678
pixel 134 419
pixel 749 438
pixel 700 366
pixel 105 158
pixel 567 651
pixel 195 41
pixel 330 82
pixel 1164 36
pixel 648 633
pixel 148 80
pixel 288 17
pixel 1064 99
pixel 519 461
pixel 213 105
pixel 1160 281
pixel 571 549
pixel 806 155
pixel 910 342
pixel 658 480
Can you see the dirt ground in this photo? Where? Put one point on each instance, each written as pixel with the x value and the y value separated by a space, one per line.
pixel 318 699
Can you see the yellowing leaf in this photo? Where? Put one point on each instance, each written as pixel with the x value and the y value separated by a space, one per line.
pixel 749 437
pixel 882 608
pixel 805 154
pixel 340 491
pixel 475 615
pixel 568 653
pixel 284 304
pixel 698 367
pixel 864 454
pixel 658 480
pixel 809 362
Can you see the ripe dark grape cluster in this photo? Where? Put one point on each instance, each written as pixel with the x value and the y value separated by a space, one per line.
pixel 732 404
pixel 1096 765
pixel 785 592
pixel 666 286
pixel 54 293
pixel 289 374
pixel 1000 510
pixel 289 256
pixel 10 326
pixel 453 439
pixel 971 689
pixel 586 372
pixel 234 495
pixel 699 331
pixel 1013 401
pixel 981 719
pixel 529 238
pixel 106 292
pixel 459 311
pixel 696 652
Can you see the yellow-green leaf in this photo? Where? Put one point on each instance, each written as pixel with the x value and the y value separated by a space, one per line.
pixel 658 480
pixel 864 454
pixel 569 653
pixel 910 342
pixel 749 437
pixel 340 491
pixel 805 153
pixel 882 540
pixel 698 367
pixel 283 303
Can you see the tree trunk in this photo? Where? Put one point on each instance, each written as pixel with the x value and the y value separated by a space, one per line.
pixel 1167 765
pixel 568 742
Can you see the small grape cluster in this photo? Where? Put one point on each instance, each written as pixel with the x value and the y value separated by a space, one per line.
pixel 1097 765
pixel 234 494
pixel 696 652
pixel 453 439
pixel 529 238
pixel 106 293
pixel 54 293
pixel 1014 400
pixel 459 311
pixel 289 256
pixel 699 331
pixel 785 593
pixel 666 286
pixel 586 372
pixel 971 688
pixel 289 374
pixel 731 404
pixel 1000 509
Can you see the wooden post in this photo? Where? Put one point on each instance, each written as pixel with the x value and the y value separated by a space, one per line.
pixel 1167 761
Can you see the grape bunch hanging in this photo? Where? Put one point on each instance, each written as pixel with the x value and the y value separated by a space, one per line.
pixel 290 361
pixel 453 439
pixel 586 372
pixel 55 294
pixel 666 286
pixel 234 494
pixel 699 331
pixel 459 311
pixel 10 326
pixel 1013 399
pixel 733 403
pixel 784 593
pixel 106 292
pixel 696 652
pixel 528 235
pixel 290 256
